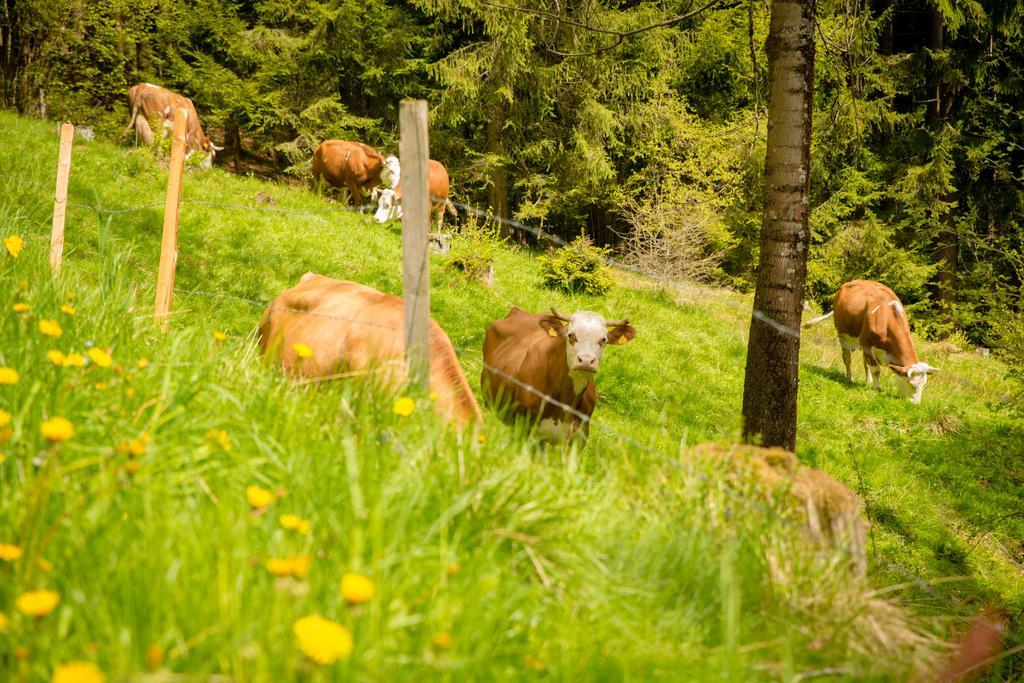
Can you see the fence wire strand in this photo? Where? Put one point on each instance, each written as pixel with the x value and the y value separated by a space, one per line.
pixel 541 235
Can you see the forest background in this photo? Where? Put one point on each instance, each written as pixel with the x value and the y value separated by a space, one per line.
pixel 546 113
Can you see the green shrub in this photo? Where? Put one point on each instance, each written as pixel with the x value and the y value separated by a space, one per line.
pixel 578 267
pixel 474 247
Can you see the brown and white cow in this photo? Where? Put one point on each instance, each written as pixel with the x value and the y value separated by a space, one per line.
pixel 869 316
pixel 353 329
pixel 528 356
pixel 148 102
pixel 352 165
pixel 389 201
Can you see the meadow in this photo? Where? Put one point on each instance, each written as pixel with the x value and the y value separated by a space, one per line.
pixel 489 557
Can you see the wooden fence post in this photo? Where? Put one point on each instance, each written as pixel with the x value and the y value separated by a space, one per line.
pixel 60 197
pixel 414 149
pixel 169 243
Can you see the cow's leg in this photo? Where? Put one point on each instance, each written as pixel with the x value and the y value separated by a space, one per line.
pixel 143 131
pixel 440 219
pixel 357 197
pixel 848 346
pixel 868 360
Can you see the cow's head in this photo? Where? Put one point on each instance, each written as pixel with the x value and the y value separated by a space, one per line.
pixel 911 380
pixel 586 335
pixel 209 151
pixel 388 208
pixel 392 172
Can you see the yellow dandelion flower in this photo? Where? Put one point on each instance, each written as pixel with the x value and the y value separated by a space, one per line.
pixel 100 357
pixel 297 566
pixel 9 376
pixel 74 360
pixel 404 406
pixel 302 351
pixel 69 309
pixel 56 357
pixel 37 603
pixel 44 565
pixel 220 437
pixel 57 429
pixel 51 328
pixel 101 385
pixel 154 656
pixel 295 523
pixel 219 336
pixel 138 446
pixel 129 391
pixel 14 245
pixel 454 568
pixel 143 362
pixel 132 466
pixel 278 566
pixel 443 640
pixel 356 588
pixel 3 458
pixel 20 308
pixel 258 497
pixel 4 621
pixel 481 438
pixel 78 672
pixel 322 640
pixel 10 552
pixel 5 418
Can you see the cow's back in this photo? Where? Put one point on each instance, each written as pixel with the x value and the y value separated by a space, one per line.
pixel 352 328
pixel 853 302
pixel 342 161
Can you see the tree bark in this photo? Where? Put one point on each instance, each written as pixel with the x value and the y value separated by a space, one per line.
pixel 773 351
pixel 498 189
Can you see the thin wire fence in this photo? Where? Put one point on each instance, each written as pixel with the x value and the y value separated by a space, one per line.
pixel 541 235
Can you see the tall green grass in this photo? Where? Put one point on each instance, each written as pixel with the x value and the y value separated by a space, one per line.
pixel 622 560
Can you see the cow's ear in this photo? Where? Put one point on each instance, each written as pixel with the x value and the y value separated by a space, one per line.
pixel 553 326
pixel 929 369
pixel 620 334
pixel 900 370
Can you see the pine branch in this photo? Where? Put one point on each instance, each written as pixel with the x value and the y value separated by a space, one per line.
pixel 620 36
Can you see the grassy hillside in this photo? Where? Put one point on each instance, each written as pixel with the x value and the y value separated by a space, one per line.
pixel 492 559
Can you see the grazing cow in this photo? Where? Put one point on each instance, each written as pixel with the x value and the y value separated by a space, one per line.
pixel 352 329
pixel 869 316
pixel 389 207
pixel 555 355
pixel 353 165
pixel 149 102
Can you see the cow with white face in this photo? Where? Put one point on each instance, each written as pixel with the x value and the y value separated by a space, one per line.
pixel 531 356
pixel 389 201
pixel 388 208
pixel 391 174
pixel 869 316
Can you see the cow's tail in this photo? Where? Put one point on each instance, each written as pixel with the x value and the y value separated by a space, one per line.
pixel 814 321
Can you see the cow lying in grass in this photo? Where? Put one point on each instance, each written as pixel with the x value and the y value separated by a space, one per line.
pixel 324 328
pixel 869 316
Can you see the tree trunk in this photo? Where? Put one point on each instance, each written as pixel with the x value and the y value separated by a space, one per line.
pixel 773 352
pixel 498 191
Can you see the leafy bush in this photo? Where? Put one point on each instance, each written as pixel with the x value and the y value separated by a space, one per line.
pixel 474 247
pixel 578 267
